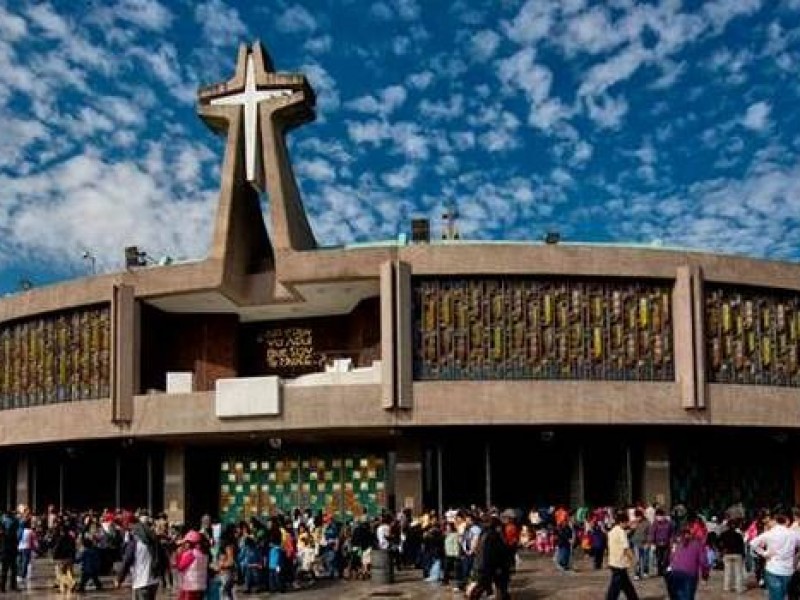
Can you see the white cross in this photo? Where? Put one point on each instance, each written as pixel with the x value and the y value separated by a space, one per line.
pixel 250 99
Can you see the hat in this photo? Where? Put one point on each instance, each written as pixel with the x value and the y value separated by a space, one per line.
pixel 193 537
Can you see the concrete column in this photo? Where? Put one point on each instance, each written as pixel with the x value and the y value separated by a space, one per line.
pixel 488 462
pixel 683 336
pixel 175 483
pixel 388 358
pixel 578 482
pixel 123 357
pixel 23 495
pixel 655 479
pixel 408 475
pixel 699 320
pixel 396 336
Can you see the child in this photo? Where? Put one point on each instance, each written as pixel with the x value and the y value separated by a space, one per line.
pixel 275 558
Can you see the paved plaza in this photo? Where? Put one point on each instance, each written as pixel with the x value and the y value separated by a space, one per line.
pixel 537 579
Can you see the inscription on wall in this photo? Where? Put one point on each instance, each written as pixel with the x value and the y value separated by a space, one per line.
pixel 752 336
pixel 289 348
pixel 525 328
pixel 55 358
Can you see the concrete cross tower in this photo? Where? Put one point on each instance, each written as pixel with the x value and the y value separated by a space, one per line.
pixel 255 109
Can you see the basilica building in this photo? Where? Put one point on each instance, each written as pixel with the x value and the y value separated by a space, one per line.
pixel 276 373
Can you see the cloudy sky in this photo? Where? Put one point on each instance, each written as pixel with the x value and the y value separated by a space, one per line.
pixel 667 122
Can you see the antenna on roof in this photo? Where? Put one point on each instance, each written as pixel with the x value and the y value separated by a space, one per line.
pixel 450 231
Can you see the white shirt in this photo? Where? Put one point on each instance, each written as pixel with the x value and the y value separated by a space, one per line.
pixel 26 539
pixel 141 575
pixel 618 543
pixel 778 545
pixel 383 535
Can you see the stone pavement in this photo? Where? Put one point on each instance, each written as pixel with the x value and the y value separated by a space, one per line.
pixel 537 579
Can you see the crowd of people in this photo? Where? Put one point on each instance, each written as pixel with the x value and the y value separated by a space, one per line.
pixel 473 551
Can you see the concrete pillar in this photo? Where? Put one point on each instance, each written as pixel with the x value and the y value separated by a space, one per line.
pixel 688 310
pixel 408 475
pixel 656 479
pixel 396 336
pixel 23 495
pixel 683 336
pixel 577 484
pixel 175 483
pixel 388 358
pixel 123 363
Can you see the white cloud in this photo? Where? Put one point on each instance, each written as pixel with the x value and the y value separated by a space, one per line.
pixel 55 213
pixel 18 134
pixel 420 80
pixel 319 45
pixel 532 23
pixel 147 14
pixel 442 110
pixel 401 45
pixel 385 103
pixel 381 11
pixel 618 68
pixel 402 178
pixel 50 22
pixel 317 169
pixel 721 12
pixel 463 140
pixel 221 24
pixel 757 116
pixel 591 32
pixel 498 140
pixel 606 111
pixel 296 19
pixel 12 27
pixel 521 71
pixel 327 92
pixel 484 44
pixel 115 19
pixel 408 10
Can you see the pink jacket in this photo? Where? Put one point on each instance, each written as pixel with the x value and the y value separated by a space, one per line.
pixel 193 565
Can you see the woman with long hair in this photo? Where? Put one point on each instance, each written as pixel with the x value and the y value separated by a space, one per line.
pixel 687 565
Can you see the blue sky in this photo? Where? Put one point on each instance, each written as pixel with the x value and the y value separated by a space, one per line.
pixel 668 122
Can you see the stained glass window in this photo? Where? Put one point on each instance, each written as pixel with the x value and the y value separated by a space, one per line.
pixel 347 485
pixel 532 328
pixel 752 336
pixel 57 357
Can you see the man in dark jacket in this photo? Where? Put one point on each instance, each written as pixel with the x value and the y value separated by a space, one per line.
pixel 492 561
pixel 9 535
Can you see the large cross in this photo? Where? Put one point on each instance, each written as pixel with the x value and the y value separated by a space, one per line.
pixel 249 100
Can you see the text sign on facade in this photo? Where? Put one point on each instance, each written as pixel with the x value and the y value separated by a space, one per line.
pixel 289 348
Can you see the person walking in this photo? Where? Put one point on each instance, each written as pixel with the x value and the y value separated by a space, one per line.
pixel 9 542
pixel 687 565
pixel 640 538
pixel 778 546
pixel 192 564
pixel 731 544
pixel 141 561
pixel 620 559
